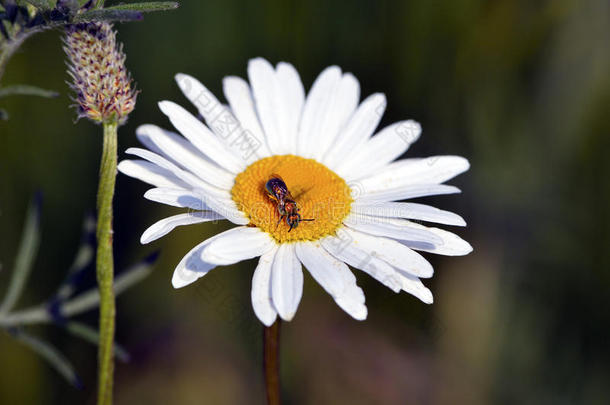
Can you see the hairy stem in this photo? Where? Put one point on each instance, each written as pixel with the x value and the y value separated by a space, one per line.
pixel 271 348
pixel 104 263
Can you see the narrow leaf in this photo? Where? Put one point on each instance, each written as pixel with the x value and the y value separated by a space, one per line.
pixel 50 354
pixel 92 336
pixel 26 90
pixel 28 249
pixel 108 14
pixel 82 260
pixel 135 274
pixel 147 6
pixel 42 4
pixel 83 302
pixel 91 298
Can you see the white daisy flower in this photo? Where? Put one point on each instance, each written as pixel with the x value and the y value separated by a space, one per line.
pixel 337 172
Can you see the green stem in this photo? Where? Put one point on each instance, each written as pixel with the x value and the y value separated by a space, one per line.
pixel 271 348
pixel 104 263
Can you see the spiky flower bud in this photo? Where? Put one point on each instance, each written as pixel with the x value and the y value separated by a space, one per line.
pixel 97 67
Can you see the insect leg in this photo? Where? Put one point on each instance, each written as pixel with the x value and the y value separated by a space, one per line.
pixel 279 220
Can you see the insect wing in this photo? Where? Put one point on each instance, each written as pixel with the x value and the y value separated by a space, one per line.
pixel 276 187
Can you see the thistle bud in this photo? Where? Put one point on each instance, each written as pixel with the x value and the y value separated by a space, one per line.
pixel 96 65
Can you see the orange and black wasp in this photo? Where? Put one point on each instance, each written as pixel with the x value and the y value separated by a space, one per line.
pixel 286 206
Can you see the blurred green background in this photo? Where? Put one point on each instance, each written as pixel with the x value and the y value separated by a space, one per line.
pixel 520 88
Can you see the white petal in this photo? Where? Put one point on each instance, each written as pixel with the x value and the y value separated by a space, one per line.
pixel 200 136
pixel 319 121
pixel 415 287
pixel 216 199
pixel 223 206
pixel 389 144
pixel 191 267
pixel 237 244
pixel 291 99
pixel 347 97
pixel 142 134
pixel 360 193
pixel 187 177
pixel 211 197
pixel 166 225
pixel 420 212
pixel 334 276
pixel 198 200
pixel 357 131
pixel 336 108
pixel 261 289
pixel 266 93
pixel 451 244
pixel 343 248
pixel 286 281
pixel 183 153
pixel 177 198
pixel 237 92
pixel 392 252
pixel 219 118
pixel 208 106
pixel 431 170
pixel 151 174
pixel 391 227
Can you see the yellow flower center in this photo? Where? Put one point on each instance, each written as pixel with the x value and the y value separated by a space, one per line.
pixel 319 193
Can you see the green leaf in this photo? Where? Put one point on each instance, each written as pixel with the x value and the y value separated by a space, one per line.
pixel 108 15
pixel 84 257
pixel 91 298
pixel 134 274
pixel 28 249
pixel 42 4
pixel 26 90
pixel 125 12
pixel 146 7
pixel 92 336
pixel 50 354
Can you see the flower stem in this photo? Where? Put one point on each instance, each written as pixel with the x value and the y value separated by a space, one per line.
pixel 271 348
pixel 104 262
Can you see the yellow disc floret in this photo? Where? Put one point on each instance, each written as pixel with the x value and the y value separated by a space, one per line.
pixel 319 193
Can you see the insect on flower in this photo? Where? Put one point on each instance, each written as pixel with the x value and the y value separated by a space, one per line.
pixel 323 163
pixel 286 206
